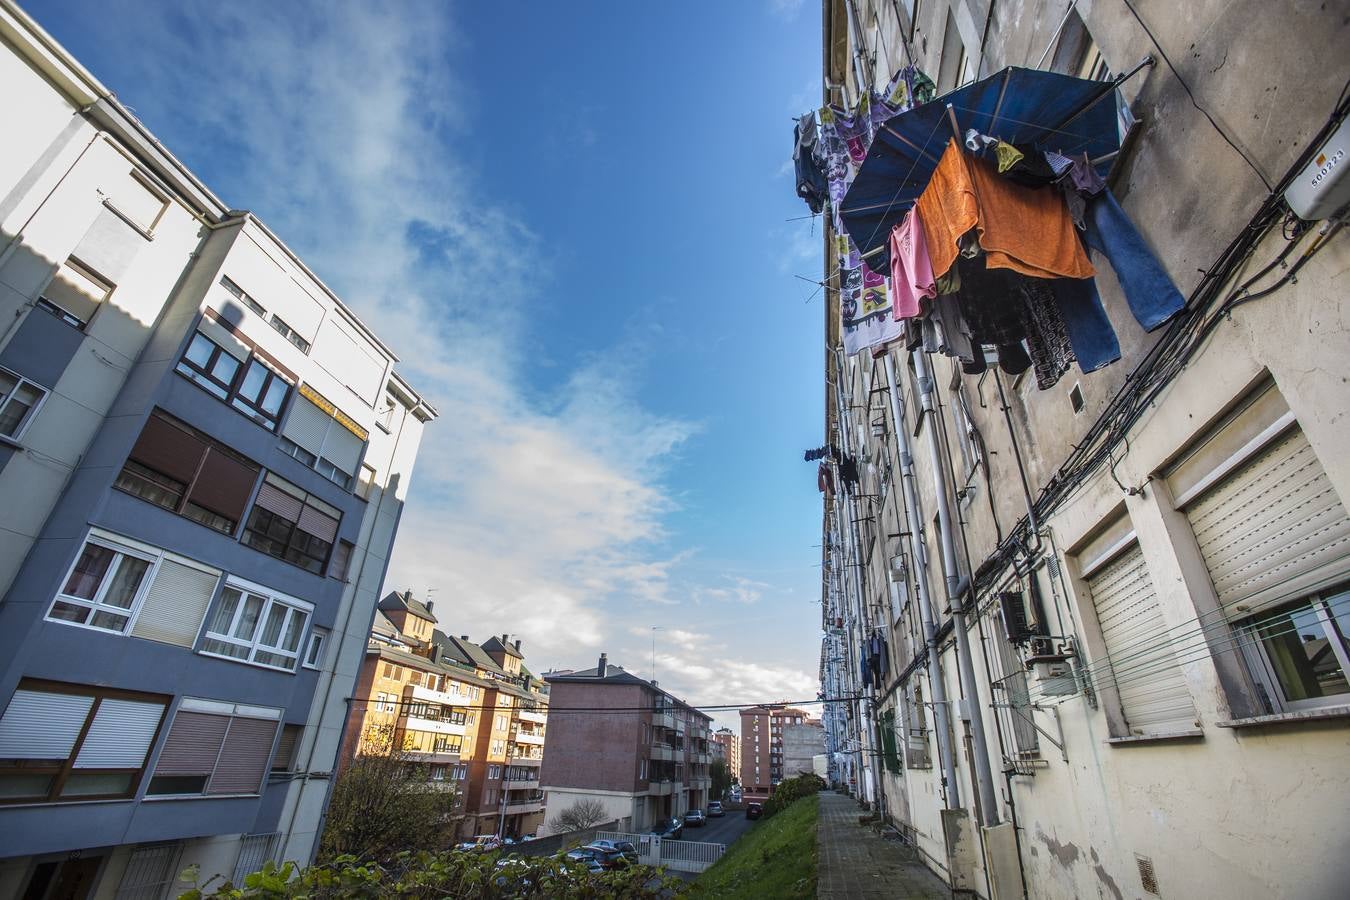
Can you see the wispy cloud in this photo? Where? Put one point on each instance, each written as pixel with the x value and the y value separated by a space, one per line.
pixel 786 9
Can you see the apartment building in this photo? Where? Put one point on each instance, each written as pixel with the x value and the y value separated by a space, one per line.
pixel 761 748
pixel 803 743
pixel 1089 640
pixel 624 742
pixel 726 746
pixel 203 457
pixel 472 714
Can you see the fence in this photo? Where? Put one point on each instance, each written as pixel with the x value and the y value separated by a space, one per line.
pixel 551 844
pixel 678 856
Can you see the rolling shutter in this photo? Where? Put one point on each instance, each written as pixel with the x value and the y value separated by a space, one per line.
pixel 285 755
pixel 39 725
pixel 224 485
pixel 343 448
pixel 121 735
pixel 316 523
pixel 176 603
pixel 307 425
pixel 193 744
pixel 243 760
pixel 1153 691
pixel 110 246
pixel 1274 529
pixel 275 500
pixel 169 449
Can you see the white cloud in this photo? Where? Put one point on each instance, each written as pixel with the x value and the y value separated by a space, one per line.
pixel 786 9
pixel 732 589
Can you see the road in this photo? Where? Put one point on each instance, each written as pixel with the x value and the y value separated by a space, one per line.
pixel 724 830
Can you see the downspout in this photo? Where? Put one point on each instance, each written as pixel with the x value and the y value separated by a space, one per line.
pixel 957 588
pixel 914 527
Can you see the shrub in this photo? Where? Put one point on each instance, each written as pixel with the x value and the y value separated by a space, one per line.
pixel 790 789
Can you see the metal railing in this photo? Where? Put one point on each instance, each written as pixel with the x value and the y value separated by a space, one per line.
pixel 678 856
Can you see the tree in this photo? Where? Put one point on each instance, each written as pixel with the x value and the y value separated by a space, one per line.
pixel 721 778
pixel 579 816
pixel 384 803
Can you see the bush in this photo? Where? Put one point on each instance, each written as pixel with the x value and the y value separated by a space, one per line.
pixel 790 789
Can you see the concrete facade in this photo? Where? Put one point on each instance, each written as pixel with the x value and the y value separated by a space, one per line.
pixel 801 745
pixel 762 759
pixel 1083 790
pixel 636 749
pixel 115 577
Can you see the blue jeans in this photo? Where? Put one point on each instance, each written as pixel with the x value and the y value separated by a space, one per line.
pixel 1152 296
pixel 1090 333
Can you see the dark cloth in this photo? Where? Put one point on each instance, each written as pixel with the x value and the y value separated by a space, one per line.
pixel 1080 306
pixel 848 470
pixel 1031 170
pixel 1085 178
pixel 1152 296
pixel 990 303
pixel 811 183
pixel 1013 359
pixel 830 451
pixel 824 479
pixel 1047 341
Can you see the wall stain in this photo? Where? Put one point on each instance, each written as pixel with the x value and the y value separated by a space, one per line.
pixel 1104 876
pixel 1065 854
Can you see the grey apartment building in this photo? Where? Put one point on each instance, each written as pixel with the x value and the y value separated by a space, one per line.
pixel 203 458
pixel 625 743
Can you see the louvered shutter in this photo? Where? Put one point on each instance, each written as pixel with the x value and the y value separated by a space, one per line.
pixel 169 449
pixel 275 500
pixel 176 604
pixel 343 448
pixel 1274 529
pixel 192 745
pixel 244 757
pixel 285 755
pixel 224 485
pixel 1153 691
pixel 307 425
pixel 120 735
pixel 39 725
pixel 316 523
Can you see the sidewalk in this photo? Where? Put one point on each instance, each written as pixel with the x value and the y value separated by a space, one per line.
pixel 855 861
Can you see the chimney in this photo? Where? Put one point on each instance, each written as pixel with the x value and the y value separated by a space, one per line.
pixel 517 645
pixel 430 605
pixel 504 637
pixel 463 637
pixel 602 669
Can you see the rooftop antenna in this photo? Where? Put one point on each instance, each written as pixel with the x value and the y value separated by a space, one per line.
pixel 655 629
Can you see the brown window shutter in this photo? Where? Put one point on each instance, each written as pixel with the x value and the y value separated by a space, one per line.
pixel 168 449
pixel 224 485
pixel 316 523
pixel 285 755
pixel 248 745
pixel 275 500
pixel 193 744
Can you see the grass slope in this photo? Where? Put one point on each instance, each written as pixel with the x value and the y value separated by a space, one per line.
pixel 776 858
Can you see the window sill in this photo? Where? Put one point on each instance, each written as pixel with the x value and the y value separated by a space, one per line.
pixel 7 441
pixel 47 804
pixel 131 223
pixel 163 798
pixel 1190 735
pixel 1289 718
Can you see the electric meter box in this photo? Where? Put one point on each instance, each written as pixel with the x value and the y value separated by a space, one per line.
pixel 1323 187
pixel 1054 678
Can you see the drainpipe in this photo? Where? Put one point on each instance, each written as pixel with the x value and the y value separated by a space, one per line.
pixel 914 526
pixel 957 588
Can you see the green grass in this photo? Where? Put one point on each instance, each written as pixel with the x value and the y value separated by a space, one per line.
pixel 775 858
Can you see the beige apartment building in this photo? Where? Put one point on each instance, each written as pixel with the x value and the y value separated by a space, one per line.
pixel 761 748
pixel 726 746
pixel 1099 631
pixel 472 714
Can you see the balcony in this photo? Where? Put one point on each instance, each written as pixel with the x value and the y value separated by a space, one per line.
pixel 525 806
pixel 700 782
pixel 528 737
pixel 441 697
pixel 700 758
pixel 435 726
pixel 518 757
pixel 663 752
pixel 438 757
pixel 538 718
pixel 662 719
pixel 523 784
pixel 660 789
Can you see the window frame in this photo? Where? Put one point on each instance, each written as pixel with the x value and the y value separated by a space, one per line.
pixel 31 414
pixel 1262 667
pixel 231 393
pixel 264 534
pixel 65 315
pixel 320 636
pixel 95 605
pixel 254 645
pixel 219 708
pixel 250 301
pixel 280 326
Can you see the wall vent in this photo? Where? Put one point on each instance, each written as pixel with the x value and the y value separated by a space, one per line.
pixel 1076 399
pixel 1147 879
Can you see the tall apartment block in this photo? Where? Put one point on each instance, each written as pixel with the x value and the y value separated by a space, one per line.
pixel 762 747
pixel 727 747
pixel 625 743
pixel 471 714
pixel 203 458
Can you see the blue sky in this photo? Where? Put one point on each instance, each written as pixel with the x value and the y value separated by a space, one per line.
pixel 572 222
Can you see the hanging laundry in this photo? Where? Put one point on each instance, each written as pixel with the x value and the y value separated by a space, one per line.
pixel 811 184
pixel 1080 306
pixel 1047 339
pixel 1022 229
pixel 1058 163
pixel 911 272
pixel 1008 155
pixel 955 339
pixel 975 142
pixel 949 283
pixel 1031 169
pixel 848 469
pixel 824 479
pixel 1149 290
pixel 830 452
pixel 1084 177
pixel 864 304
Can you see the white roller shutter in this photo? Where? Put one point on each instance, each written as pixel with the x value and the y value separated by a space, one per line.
pixel 1274 529
pixel 343 449
pixel 176 604
pixel 307 425
pixel 1140 659
pixel 39 725
pixel 120 735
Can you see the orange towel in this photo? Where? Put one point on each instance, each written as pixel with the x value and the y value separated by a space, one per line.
pixel 1024 229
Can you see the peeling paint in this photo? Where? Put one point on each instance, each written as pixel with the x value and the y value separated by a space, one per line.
pixel 1103 876
pixel 1066 854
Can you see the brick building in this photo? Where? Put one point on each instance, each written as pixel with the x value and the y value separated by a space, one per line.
pixel 762 746
pixel 726 746
pixel 628 744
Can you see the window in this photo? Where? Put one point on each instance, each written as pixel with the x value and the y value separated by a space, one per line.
pixel 494 772
pixel 65 742
pixel 184 471
pixel 472 717
pixel 438 773
pixel 385 702
pixel 318 642
pixel 289 333
pixel 215 748
pixel 248 299
pixel 386 417
pixel 251 626
pixel 292 525
pixel 366 482
pixel 284 758
pixel 19 402
pixel 342 558
pixel 242 380
pixel 952 66
pixel 323 437
pixel 103 586
pixel 1299 652
pixel 74 294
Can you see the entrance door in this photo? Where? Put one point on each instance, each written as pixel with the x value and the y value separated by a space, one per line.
pixel 68 879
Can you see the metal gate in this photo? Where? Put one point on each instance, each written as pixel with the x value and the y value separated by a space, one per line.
pixel 678 856
pixel 149 872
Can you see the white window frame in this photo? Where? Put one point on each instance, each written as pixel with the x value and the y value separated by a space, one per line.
pixel 96 605
pixel 255 645
pixel 20 381
pixel 314 655
pixel 1259 663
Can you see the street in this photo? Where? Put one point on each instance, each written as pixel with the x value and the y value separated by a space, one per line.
pixel 720 831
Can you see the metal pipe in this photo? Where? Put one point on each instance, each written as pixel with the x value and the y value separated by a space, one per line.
pixel 984 779
pixel 914 526
pixel 843 511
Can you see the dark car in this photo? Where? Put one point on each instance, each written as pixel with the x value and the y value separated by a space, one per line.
pixel 599 857
pixel 715 810
pixel 669 828
pixel 754 810
pixel 625 847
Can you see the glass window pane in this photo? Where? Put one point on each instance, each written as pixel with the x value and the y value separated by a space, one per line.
pixel 86 785
pixel 1301 655
pixel 294 628
pixel 252 384
pixel 130 572
pixel 89 571
pixel 109 621
pixel 276 615
pixel 276 393
pixel 248 621
pixel 17 785
pixel 68 612
pixel 229 602
pixel 1338 607
pixel 199 351
pixel 225 367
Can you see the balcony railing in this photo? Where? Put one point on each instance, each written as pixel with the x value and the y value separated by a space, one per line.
pixel 663 751
pixel 435 726
pixel 521 736
pixel 522 784
pixel 530 715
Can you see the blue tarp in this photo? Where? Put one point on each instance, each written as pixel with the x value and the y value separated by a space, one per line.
pixel 1022 106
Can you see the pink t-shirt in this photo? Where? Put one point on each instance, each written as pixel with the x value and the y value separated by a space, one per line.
pixel 911 270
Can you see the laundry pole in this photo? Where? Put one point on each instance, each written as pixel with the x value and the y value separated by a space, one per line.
pixel 984 779
pixel 919 557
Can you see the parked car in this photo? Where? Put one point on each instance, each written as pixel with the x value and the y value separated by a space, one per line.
pixel 669 828
pixel 482 844
pixel 715 810
pixel 599 857
pixel 754 810
pixel 625 847
pixel 695 818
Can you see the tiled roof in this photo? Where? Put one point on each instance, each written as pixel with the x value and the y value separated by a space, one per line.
pixel 406 601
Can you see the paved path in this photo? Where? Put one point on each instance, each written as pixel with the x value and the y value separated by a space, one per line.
pixel 855 861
